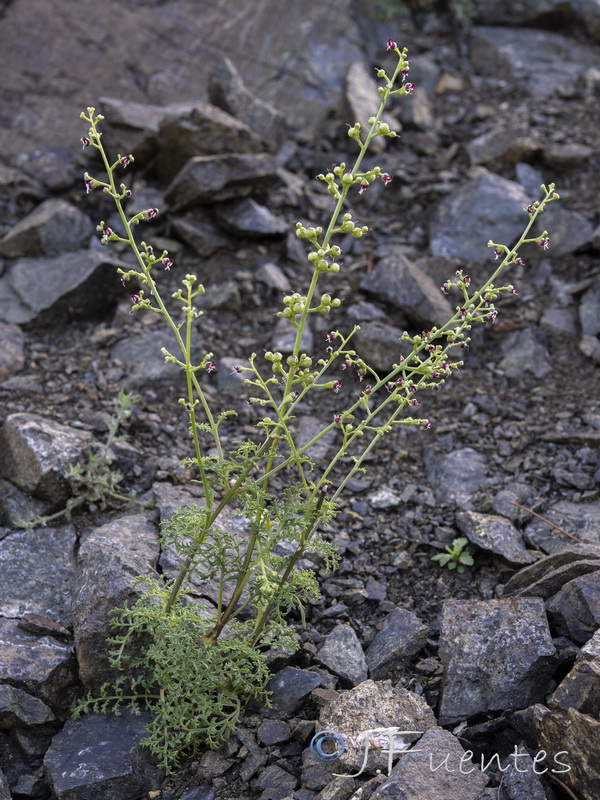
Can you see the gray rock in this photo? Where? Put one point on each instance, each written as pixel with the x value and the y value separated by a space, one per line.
pixel 580 689
pixel 223 296
pixel 486 207
pixel 370 706
pixel 17 708
pixel 37 579
pixel 4 790
pixel 201 234
pixel 497 654
pixel 508 55
pixel 525 351
pixel 589 13
pixel 579 519
pixel 575 609
pixel 273 277
pixel 340 788
pixel 273 732
pixel 570 231
pixel 207 179
pixel 400 638
pixel 514 493
pixel 147 366
pixel 363 100
pixel 40 666
pixel 110 558
pixel 548 575
pixel 343 655
pixel 307 428
pixel 523 782
pixel 284 337
pixel 576 737
pixel 52 228
pixel 272 777
pixel 132 128
pixel 589 311
pixel 289 688
pixel 228 379
pixel 415 777
pixel 78 285
pixel 383 498
pixel 560 320
pixel 454 477
pixel 227 90
pixel 379 344
pixel 100 756
pixel 200 129
pixel 591 649
pixel 36 452
pixel 497 12
pixel 12 350
pixel 496 535
pixel 398 281
pixel 590 347
pixel 503 142
pixel 248 218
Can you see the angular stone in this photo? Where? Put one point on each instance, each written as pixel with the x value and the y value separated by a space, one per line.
pixel 101 756
pixel 37 580
pixel 273 776
pixel 202 234
pixel 525 351
pixel 362 99
pixel 588 12
pixel 41 666
pixel 498 655
pixel 146 364
pixel 18 708
pixel 52 228
pixel 379 344
pixel 228 379
pixel 547 576
pixel 486 207
pixel 579 519
pixel 500 143
pixel 132 128
pixel 35 454
pixel 521 780
pixel 110 558
pixel 274 277
pixel 369 706
pixel 4 790
pixel 12 350
pixel 384 498
pixel 589 311
pixel 400 638
pixel 572 739
pixel 307 428
pixel 509 53
pixel 496 535
pixel 541 12
pixel 414 777
pixel 591 649
pixel 398 281
pixel 82 284
pixel 284 337
pixel 570 231
pixel 580 689
pixel 227 90
pixel 248 218
pixel 207 179
pixel 575 609
pixel 455 476
pixel 343 655
pixel 201 129
pixel 289 688
pixel 274 731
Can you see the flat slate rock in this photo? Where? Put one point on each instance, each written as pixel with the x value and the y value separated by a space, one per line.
pixel 248 218
pixel 37 573
pixel 579 519
pixel 53 228
pixel 101 756
pixel 545 577
pixel 497 655
pixel 343 655
pixel 454 477
pixel 401 637
pixel 495 534
pixel 18 708
pixel 577 736
pixel 12 350
pixel 575 609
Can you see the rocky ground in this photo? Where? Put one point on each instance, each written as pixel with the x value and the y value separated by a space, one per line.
pixel 500 656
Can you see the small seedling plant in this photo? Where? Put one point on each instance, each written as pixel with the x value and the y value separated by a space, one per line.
pixel 195 663
pixel 455 557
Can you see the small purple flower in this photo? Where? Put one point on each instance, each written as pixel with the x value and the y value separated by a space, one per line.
pixel 151 213
pixel 124 279
pixel 435 375
pixel 390 45
pixel 249 401
pixel 386 178
pixel 520 262
pixel 210 366
pixel 368 389
pixel 363 187
pixel 399 382
pixel 345 364
pixel 492 316
pixel 530 209
pixel 337 385
pixel 412 387
pixel 135 299
pixel 85 141
pixel 125 161
pixel 107 232
pixel 425 334
pixel 544 243
pixel 444 288
pixel 330 336
pixel 404 74
pixel 415 402
pixel 467 280
pixel 89 186
pixel 237 369
pixel 409 87
pixel 361 374
pixel 497 253
pixel 167 263
pixel 427 426
pixel 337 418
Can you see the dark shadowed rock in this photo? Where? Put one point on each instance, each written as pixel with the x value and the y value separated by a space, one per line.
pixel 486 207
pixel 589 13
pixel 226 89
pixel 132 128
pixel 307 428
pixel 547 576
pixel 82 284
pixel 19 708
pixel 343 655
pixel 42 666
pixel 455 476
pixel 509 53
pixel 372 705
pixel 569 230
pixel 400 638
pixel 206 179
pixel 362 100
pixel 4 790
pixel 110 558
pixel 248 218
pixel 101 756
pixel 497 654
pixel 496 535
pixel 589 311
pixel 12 350
pixel 145 363
pixel 579 519
pixel 379 344
pixel 497 12
pixel 525 351
pixel 201 129
pixel 274 777
pixel 413 778
pixel 577 737
pixel 53 228
pixel 36 452
pixel 521 780
pixel 37 579
pixel 580 689
pixel 289 688
pixel 575 609
pixel 201 233
pixel 398 281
